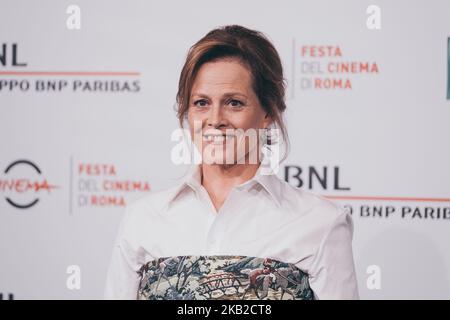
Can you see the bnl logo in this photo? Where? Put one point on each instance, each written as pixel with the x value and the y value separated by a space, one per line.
pixel 9 55
pixel 10 296
pixel 448 68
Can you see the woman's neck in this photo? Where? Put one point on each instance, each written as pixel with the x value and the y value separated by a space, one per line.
pixel 218 180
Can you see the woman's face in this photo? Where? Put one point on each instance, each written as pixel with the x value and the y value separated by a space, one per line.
pixel 223 111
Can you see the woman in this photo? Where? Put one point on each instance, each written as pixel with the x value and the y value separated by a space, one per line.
pixel 232 229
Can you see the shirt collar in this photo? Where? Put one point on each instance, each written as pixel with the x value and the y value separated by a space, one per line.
pixel 269 181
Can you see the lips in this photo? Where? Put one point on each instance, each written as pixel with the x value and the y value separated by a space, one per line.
pixel 216 136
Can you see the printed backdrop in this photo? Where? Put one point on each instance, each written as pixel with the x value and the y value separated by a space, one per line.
pixel 87 95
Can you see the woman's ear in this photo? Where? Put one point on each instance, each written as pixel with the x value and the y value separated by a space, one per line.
pixel 267 120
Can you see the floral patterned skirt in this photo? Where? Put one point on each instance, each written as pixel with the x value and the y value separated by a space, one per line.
pixel 222 278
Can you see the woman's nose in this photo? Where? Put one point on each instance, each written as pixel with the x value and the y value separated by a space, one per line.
pixel 215 116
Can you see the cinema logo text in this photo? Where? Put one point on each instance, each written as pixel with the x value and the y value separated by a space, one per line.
pixel 324 67
pixel 22 183
pixel 99 185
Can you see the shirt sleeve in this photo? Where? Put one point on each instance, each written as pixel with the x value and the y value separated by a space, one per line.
pixel 122 280
pixel 332 274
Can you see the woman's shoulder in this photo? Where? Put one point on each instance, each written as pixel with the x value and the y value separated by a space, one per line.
pixel 151 203
pixel 309 203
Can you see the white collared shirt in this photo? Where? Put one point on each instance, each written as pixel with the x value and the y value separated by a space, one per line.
pixel 263 217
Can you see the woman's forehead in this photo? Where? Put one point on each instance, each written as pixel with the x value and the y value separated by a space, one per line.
pixel 222 77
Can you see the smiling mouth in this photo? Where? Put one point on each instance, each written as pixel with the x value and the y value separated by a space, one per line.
pixel 217 138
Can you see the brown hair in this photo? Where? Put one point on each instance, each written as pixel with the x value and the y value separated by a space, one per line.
pixel 254 50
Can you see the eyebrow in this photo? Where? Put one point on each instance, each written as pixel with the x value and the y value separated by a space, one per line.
pixel 227 94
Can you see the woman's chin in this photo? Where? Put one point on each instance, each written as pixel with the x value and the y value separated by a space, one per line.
pixel 212 160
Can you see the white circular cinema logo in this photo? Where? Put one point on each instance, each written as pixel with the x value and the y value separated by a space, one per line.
pixel 22 184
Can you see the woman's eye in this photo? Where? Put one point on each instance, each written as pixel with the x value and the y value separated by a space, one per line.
pixel 236 103
pixel 200 103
